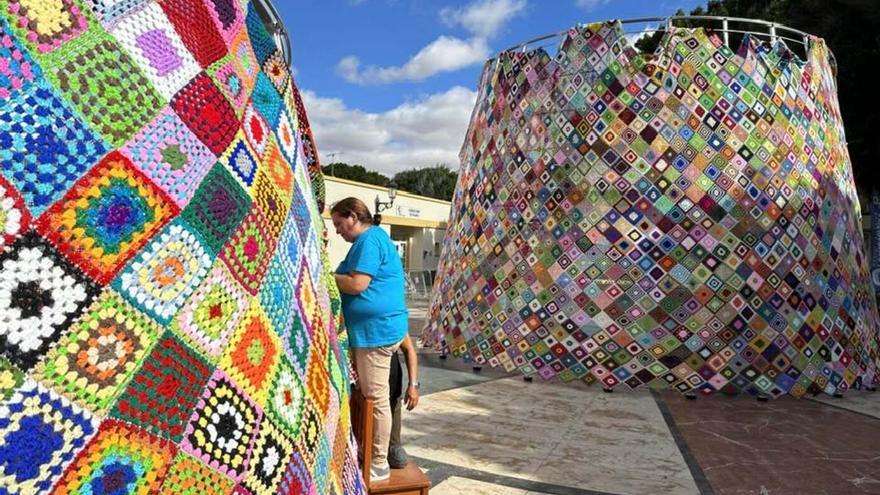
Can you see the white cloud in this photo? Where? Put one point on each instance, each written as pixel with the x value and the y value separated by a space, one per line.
pixel 415 134
pixel 591 5
pixel 445 54
pixel 483 18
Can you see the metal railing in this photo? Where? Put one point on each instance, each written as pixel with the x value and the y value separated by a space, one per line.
pixel 772 30
pixel 418 284
pixel 272 20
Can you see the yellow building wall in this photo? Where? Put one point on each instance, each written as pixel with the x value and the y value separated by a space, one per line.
pixel 418 221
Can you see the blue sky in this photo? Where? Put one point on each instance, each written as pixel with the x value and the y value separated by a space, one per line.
pixel 390 84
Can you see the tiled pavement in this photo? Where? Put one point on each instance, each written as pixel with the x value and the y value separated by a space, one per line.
pixel 491 433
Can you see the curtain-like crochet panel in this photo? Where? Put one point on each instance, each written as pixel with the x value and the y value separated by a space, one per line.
pixel 685 220
pixel 168 321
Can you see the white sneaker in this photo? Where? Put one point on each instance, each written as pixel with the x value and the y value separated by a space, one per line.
pixel 379 473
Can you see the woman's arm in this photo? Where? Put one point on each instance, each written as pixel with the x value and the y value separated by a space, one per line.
pixel 411 398
pixel 353 283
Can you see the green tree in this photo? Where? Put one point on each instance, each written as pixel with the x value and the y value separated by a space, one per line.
pixel 355 172
pixel 435 182
pixel 851 28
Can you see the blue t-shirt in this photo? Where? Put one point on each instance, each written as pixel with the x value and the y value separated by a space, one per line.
pixel 377 317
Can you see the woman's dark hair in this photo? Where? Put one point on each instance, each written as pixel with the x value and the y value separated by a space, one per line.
pixel 353 207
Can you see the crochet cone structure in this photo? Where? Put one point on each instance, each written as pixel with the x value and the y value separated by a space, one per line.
pixel 684 220
pixel 168 318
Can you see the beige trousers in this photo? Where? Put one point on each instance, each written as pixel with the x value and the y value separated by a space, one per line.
pixel 373 366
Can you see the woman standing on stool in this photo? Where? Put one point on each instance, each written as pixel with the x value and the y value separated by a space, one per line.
pixel 371 281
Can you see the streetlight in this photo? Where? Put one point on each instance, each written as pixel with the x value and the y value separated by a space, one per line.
pixel 384 205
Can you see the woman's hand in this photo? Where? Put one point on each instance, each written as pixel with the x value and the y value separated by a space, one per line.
pixel 411 398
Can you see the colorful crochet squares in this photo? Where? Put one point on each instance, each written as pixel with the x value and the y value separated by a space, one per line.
pixel 222 430
pixel 256 130
pixel 253 354
pixel 46 26
pixel 276 70
pixel 159 280
pixel 266 99
pixel 217 208
pixel 228 17
pixel 225 75
pixel 287 399
pixel 272 452
pixel 249 251
pixel 107 88
pixel 10 378
pixel 241 161
pixel 211 314
pixel 107 217
pixel 18 69
pixel 644 220
pixel 152 42
pixel 169 153
pixel 40 433
pixel 276 296
pixel 286 135
pixel 107 11
pixel 190 476
pixel 147 315
pixel 14 217
pixel 193 22
pixel 40 295
pixel 280 173
pixel 119 459
pixel 101 352
pixel 161 395
pixel 44 147
pixel 204 109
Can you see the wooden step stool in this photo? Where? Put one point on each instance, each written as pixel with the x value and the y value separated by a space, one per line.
pixel 410 480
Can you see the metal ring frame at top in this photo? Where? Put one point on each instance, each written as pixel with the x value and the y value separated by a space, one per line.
pixel 773 29
pixel 272 20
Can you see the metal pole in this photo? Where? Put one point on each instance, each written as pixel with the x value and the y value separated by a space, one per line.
pixel 724 27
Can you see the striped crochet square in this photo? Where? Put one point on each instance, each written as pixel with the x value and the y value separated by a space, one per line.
pixel 162 394
pixel 18 69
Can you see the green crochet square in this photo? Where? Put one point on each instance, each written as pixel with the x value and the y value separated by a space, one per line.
pixel 107 88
